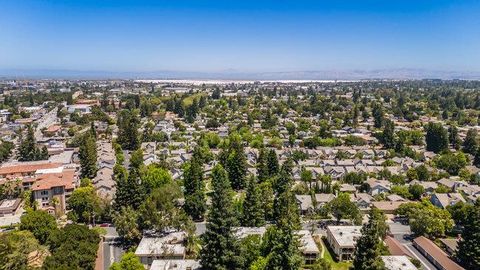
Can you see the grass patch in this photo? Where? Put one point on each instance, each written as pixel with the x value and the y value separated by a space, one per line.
pixel 327 255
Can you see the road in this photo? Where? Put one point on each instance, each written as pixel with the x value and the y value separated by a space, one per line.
pixel 47 120
pixel 399 231
pixel 425 262
pixel 112 252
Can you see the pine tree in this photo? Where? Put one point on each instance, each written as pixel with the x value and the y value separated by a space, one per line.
pixel 453 137
pixel 236 163
pixel 219 244
pixel 284 179
pixel 88 156
pixel 129 191
pixel 468 253
pixel 281 244
pixel 262 169
pixel 272 163
pixel 195 203
pixel 436 137
pixel 476 160
pixel 93 130
pixel 388 134
pixel 27 150
pixel 368 247
pixel 253 213
pixel 470 143
pixel 128 129
pixel 378 117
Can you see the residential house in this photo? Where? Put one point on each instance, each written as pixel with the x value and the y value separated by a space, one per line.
pixel 169 246
pixel 398 263
pixel 52 189
pixel 342 240
pixel 434 254
pixel 175 265
pixel 443 200
pixel 308 247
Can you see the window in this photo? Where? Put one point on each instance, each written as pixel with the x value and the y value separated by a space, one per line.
pixel 44 192
pixel 57 190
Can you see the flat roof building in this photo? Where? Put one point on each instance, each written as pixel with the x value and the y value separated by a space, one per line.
pixel 398 263
pixel 170 246
pixel 342 240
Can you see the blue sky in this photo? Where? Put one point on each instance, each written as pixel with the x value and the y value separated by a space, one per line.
pixel 247 36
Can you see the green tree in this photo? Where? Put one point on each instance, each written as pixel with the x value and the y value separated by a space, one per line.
pixel 262 167
pixel 388 134
pixel 417 191
pixel 127 123
pixel 470 143
pixel 249 250
pixel 253 212
pixel 136 160
pixel 453 137
pixel 236 162
pixel 160 210
pixel 468 253
pixel 195 202
pixel 88 156
pixel 40 223
pixel 130 191
pixel 341 207
pixel 28 151
pixel 272 163
pixel 219 244
pixel 73 247
pixel 426 219
pixel 476 159
pixel 16 248
pixel 459 212
pixel 154 177
pixel 436 137
pixel 126 224
pixel 378 115
pixel 451 162
pixel 368 247
pixel 129 261
pixel 281 245
pixel 84 204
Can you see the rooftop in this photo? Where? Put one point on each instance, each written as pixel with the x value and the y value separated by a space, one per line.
pixel 398 263
pixel 345 236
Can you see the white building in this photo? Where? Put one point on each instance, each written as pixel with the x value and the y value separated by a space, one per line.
pixel 398 263
pixel 342 240
pixel 175 265
pixel 169 246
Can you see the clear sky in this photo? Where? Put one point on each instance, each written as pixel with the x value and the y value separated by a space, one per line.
pixel 246 35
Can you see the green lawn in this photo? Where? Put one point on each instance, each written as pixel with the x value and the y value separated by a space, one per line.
pixel 335 265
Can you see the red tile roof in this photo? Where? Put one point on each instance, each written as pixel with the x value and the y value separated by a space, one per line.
pixel 396 248
pixel 21 168
pixel 50 180
pixel 436 253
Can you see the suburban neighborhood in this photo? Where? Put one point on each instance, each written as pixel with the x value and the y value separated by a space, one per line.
pixel 239 174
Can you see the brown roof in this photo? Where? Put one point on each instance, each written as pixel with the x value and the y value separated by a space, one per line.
pixel 53 128
pixel 436 253
pixel 50 180
pixel 396 248
pixel 387 205
pixel 21 168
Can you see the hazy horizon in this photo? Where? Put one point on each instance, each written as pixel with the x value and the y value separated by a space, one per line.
pixel 247 37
